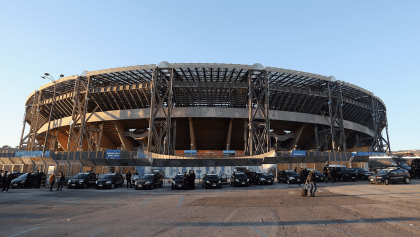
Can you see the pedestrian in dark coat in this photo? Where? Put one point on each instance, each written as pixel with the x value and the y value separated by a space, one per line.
pixel 185 180
pixel 28 180
pixel 61 182
pixel 128 178
pixel 193 180
pixel 329 176
pixel 9 181
pixel 4 181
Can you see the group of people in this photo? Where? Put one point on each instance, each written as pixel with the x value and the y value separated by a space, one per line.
pixel 33 180
pixel 331 174
pixel 128 178
pixel 189 180
pixel 60 182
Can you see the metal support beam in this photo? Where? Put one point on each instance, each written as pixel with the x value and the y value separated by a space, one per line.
pixel 258 105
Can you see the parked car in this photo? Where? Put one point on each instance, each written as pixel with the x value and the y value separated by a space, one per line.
pixel 149 181
pixel 134 178
pixel 361 173
pixel 110 180
pixel 19 182
pixel 319 177
pixel 263 178
pixel 211 181
pixel 82 180
pixel 239 178
pixel 387 176
pixel 288 176
pixel 224 179
pixel 177 182
pixel 342 172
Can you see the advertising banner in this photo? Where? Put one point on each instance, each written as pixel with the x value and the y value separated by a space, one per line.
pixel 179 152
pixel 113 154
pixel 32 154
pixel 298 153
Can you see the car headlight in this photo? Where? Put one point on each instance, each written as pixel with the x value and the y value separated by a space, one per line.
pixel 262 179
pixel 23 181
pixel 148 182
pixel 95 182
pixel 69 181
pixel 108 182
pixel 291 178
pixel 237 180
pixel 208 182
pixel 220 181
pixel 173 182
pixel 247 180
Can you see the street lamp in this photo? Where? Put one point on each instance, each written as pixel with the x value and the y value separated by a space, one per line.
pixel 191 149
pixel 227 145
pixel 49 77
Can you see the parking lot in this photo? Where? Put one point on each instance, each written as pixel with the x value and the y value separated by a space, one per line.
pixel 339 209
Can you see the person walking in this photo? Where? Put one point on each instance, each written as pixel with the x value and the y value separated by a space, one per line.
pixel 4 181
pixel 28 180
pixel 8 181
pixel 311 181
pixel 329 175
pixel 184 180
pixel 61 182
pixel 1 179
pixel 128 178
pixel 52 181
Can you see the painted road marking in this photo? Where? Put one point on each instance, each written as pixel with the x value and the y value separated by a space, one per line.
pixel 109 202
pixel 259 232
pixel 146 202
pixel 98 232
pixel 180 201
pixel 23 232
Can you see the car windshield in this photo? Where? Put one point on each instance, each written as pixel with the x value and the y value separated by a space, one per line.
pixel 147 176
pixel 23 176
pixel 404 165
pixel 212 176
pixel 260 174
pixel 108 176
pixel 290 173
pixel 240 176
pixel 383 172
pixel 80 176
pixel 179 177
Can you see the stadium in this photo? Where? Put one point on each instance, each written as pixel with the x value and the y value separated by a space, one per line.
pixel 203 110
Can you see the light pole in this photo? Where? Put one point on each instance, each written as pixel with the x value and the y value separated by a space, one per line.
pixel 227 145
pixel 191 149
pixel 48 76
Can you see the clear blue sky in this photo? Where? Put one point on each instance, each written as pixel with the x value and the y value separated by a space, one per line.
pixel 372 44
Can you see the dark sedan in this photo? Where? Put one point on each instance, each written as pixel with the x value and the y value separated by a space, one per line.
pixel 110 181
pixel 177 182
pixel 211 181
pixel 319 177
pixel 264 178
pixel 82 180
pixel 238 179
pixel 288 176
pixel 361 173
pixel 149 181
pixel 388 176
pixel 19 182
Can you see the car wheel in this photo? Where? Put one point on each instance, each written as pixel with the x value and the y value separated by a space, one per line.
pixel 152 187
pixel 85 186
pixel 258 182
pixel 161 185
pixel 386 182
pixel 288 181
pixel 68 187
pixel 407 180
pixel 342 179
pixel 112 186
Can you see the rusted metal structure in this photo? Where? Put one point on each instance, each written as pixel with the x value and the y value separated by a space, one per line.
pixel 169 107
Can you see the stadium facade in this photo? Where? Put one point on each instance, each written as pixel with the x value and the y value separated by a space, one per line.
pixel 171 108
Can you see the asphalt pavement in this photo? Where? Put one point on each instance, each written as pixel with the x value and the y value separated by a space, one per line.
pixel 338 209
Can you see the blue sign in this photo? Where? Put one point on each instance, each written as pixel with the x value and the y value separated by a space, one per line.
pixel 228 152
pixel 32 154
pixel 298 153
pixel 362 153
pixel 113 154
pixel 190 151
